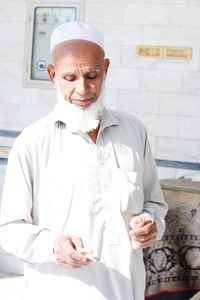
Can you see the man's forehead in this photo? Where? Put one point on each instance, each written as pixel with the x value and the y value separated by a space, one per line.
pixel 85 67
pixel 78 52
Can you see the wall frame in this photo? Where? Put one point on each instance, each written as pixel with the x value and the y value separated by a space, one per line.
pixel 42 18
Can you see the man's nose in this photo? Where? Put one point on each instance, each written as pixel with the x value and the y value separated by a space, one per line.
pixel 81 87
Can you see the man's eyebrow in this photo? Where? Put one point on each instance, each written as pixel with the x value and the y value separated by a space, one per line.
pixel 96 67
pixel 73 70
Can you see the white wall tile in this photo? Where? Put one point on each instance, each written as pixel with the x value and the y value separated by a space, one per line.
pixel 122 34
pixel 10 126
pixel 159 125
pixel 111 13
pixel 189 128
pixel 11 52
pixel 47 97
pixel 13 10
pixel 122 78
pixel 160 81
pixel 163 36
pixel 15 93
pixel 179 104
pixel 22 114
pixel 138 102
pixel 29 114
pixel 114 54
pixel 192 36
pixel 191 83
pixel 177 149
pixel 111 98
pixel 144 14
pixel 185 15
pixel 11 72
pixel 9 113
pixel 129 59
pixel 12 31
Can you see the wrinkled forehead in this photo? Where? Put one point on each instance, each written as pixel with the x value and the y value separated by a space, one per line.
pixel 83 68
pixel 78 51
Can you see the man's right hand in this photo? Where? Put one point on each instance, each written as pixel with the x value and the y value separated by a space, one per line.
pixel 66 254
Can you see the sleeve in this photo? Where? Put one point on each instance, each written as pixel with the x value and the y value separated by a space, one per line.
pixel 154 203
pixel 18 235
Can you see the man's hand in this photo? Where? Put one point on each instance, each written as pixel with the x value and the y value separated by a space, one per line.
pixel 66 254
pixel 143 232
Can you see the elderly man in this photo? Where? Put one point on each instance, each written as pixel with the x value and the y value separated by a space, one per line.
pixel 81 196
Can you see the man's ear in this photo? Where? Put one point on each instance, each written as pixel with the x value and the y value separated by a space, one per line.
pixel 106 65
pixel 51 72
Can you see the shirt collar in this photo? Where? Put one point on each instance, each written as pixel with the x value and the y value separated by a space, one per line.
pixel 108 119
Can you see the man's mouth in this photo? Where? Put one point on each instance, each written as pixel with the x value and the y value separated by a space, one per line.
pixel 82 102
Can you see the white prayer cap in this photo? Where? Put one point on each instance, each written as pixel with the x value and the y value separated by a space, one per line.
pixel 76 31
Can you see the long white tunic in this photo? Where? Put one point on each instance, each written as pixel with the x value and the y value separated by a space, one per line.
pixel 59 181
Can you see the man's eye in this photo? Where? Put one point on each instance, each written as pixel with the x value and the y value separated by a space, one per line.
pixel 92 76
pixel 69 78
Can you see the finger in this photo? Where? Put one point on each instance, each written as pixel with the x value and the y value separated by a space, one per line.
pixel 148 228
pixel 75 253
pixel 137 222
pixel 76 263
pixel 64 251
pixel 146 239
pixel 66 248
pixel 145 244
pixel 77 242
pixel 69 261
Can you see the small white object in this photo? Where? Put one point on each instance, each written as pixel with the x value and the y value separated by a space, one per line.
pixel 83 250
pixel 88 254
pixel 76 31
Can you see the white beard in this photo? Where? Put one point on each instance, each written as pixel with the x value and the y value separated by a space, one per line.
pixel 77 118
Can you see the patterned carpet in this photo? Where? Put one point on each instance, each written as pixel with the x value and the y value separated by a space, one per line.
pixel 173 264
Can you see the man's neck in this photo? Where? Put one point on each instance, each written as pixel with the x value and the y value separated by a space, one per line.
pixel 93 134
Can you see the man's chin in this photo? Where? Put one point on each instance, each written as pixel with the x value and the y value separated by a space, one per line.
pixel 81 118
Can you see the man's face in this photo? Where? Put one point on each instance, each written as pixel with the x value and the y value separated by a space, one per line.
pixel 79 69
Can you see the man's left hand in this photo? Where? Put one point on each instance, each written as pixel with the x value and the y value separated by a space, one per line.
pixel 144 236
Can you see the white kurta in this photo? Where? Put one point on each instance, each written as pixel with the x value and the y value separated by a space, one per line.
pixel 59 181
